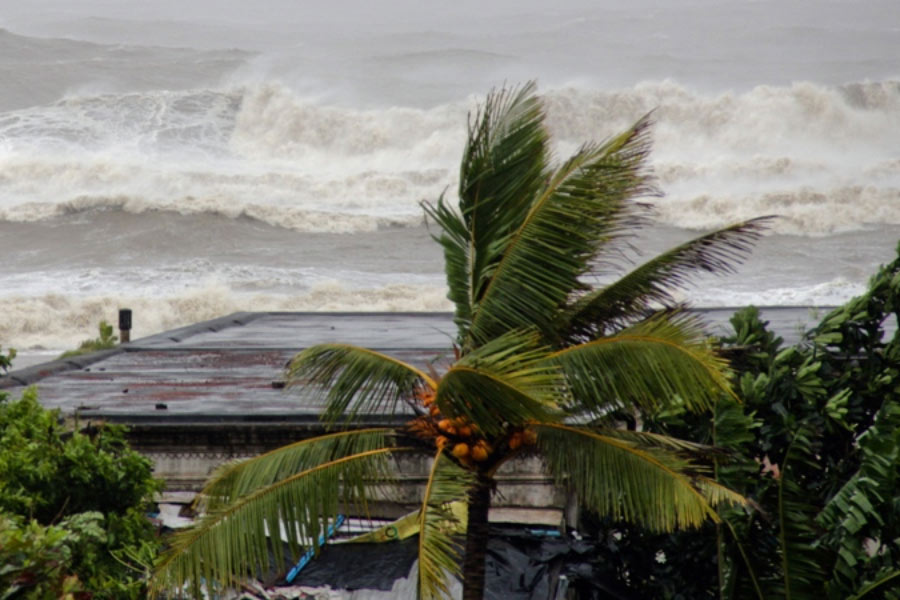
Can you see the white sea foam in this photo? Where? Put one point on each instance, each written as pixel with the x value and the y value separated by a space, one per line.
pixel 58 321
pixel 118 161
pixel 54 321
pixel 830 293
pixel 821 157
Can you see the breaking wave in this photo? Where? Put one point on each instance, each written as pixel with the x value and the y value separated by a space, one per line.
pixel 59 322
pixel 824 158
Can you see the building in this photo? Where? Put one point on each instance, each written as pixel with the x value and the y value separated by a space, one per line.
pixel 201 395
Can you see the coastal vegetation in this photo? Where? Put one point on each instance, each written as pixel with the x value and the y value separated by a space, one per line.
pixel 711 469
pixel 105 340
pixel 783 463
pixel 814 441
pixel 73 508
pixel 6 359
pixel 546 361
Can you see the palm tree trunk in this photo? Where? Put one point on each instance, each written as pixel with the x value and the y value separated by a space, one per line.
pixel 476 539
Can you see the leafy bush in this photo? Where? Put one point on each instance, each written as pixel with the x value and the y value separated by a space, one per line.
pixel 73 503
pixel 6 359
pixel 36 559
pixel 105 341
pixel 814 440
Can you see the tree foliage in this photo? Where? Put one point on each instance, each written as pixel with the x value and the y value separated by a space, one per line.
pixel 544 358
pixel 815 442
pixel 72 505
pixel 105 340
pixel 6 359
pixel 36 559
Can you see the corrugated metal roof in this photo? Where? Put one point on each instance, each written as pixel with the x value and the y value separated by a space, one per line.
pixel 233 366
pixel 230 368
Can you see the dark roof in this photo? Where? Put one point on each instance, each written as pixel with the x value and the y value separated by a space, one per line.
pixel 224 368
pixel 230 369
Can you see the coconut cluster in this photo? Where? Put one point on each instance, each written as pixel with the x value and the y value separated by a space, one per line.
pixel 461 436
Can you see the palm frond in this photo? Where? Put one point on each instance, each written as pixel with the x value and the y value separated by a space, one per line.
pixel 232 543
pixel 636 293
pixel 624 480
pixel 664 359
pixel 456 240
pixel 503 166
pixel 507 381
pixel 586 203
pixel 439 552
pixel 802 561
pixel 236 479
pixel 357 379
pixel 649 439
pixel 504 161
pixel 717 494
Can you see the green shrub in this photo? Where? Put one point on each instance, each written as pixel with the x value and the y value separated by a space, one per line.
pixel 814 440
pixel 34 560
pixel 89 491
pixel 105 341
pixel 6 359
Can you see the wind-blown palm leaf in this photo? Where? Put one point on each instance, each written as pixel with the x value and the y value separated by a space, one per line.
pixel 439 552
pixel 663 359
pixel 456 242
pixel 802 560
pixel 233 543
pixel 623 480
pixel 357 379
pixel 586 203
pixel 233 480
pixel 503 163
pixel 635 294
pixel 507 380
pixel 503 166
pixel 649 439
pixel 717 494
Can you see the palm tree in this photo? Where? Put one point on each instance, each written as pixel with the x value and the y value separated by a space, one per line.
pixel 545 362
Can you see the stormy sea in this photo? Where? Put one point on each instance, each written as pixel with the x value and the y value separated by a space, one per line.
pixel 188 160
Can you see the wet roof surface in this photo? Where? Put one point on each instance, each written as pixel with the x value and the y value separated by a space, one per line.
pixel 231 368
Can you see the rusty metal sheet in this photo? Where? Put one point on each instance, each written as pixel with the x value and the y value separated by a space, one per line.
pixel 232 366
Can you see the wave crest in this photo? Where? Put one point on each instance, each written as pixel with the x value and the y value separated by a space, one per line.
pixel 58 322
pixel 266 152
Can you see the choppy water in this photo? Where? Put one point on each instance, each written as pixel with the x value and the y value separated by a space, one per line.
pixel 192 161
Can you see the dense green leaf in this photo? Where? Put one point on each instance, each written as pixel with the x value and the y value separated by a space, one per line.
pixel 78 497
pixel 852 517
pixel 626 480
pixel 802 565
pixel 663 360
pixel 650 285
pixel 439 527
pixel 356 380
pixel 232 543
pixel 507 381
